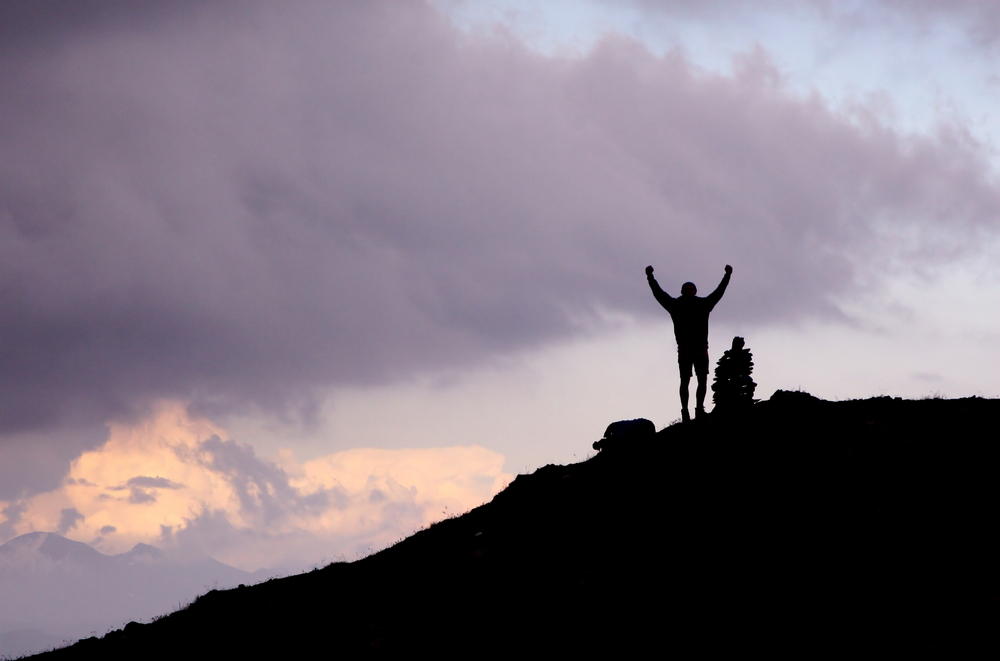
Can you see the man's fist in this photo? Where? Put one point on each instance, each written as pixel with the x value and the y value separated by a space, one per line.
pixel 729 269
pixel 649 271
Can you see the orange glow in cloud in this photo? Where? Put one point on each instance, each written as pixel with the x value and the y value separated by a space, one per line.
pixel 173 481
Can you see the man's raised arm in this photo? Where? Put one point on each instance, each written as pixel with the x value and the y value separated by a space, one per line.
pixel 714 297
pixel 662 297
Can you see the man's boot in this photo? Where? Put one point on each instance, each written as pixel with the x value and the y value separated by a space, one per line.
pixel 685 416
pixel 699 413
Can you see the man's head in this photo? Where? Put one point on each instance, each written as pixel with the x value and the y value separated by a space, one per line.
pixel 688 289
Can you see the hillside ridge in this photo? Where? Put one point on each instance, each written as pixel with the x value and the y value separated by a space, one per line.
pixel 803 525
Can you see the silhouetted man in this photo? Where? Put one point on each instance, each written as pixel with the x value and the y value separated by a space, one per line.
pixel 690 315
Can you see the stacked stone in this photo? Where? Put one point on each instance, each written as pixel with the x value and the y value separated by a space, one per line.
pixel 734 388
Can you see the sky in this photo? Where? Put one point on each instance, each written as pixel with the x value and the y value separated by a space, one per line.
pixel 284 283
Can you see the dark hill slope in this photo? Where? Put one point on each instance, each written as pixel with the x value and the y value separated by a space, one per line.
pixel 806 527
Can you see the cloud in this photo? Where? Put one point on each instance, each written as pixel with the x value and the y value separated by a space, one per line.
pixel 144 481
pixel 137 496
pixel 242 205
pixel 980 19
pixel 12 513
pixel 139 488
pixel 35 461
pixel 25 23
pixel 68 519
pixel 216 496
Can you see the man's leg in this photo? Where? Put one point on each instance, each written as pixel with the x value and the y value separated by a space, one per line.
pixel 700 395
pixel 701 371
pixel 685 416
pixel 684 362
pixel 685 381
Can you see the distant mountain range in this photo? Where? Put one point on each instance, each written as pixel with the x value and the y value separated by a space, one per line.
pixel 801 528
pixel 54 590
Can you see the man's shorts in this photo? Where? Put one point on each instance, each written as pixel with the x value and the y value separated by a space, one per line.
pixel 697 359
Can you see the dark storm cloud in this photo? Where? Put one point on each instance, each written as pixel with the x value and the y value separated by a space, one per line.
pixel 25 23
pixel 240 209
